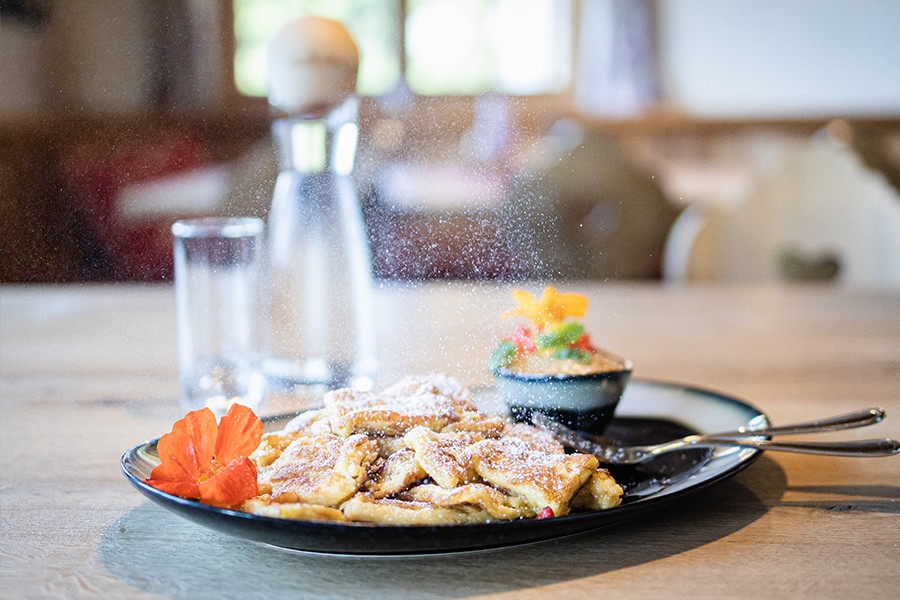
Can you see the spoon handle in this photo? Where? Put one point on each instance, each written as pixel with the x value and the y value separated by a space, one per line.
pixel 859 418
pixel 858 448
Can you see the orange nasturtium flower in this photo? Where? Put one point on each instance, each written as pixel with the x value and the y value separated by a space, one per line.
pixel 205 462
pixel 550 309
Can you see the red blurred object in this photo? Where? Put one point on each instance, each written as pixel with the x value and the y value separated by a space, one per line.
pixel 94 175
pixel 521 337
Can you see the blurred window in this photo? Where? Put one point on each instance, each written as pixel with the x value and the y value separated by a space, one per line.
pixel 444 47
pixel 374 25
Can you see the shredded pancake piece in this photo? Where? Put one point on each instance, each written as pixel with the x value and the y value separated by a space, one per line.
pixel 477 495
pixel 533 437
pixel 393 511
pixel 395 474
pixel 310 422
pixel 599 493
pixel 271 446
pixel 542 479
pixel 263 505
pixel 353 412
pixel 444 456
pixel 434 383
pixel 323 469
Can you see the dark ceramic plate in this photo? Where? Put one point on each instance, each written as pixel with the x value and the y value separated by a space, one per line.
pixel 649 412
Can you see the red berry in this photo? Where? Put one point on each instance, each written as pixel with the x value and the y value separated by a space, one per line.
pixel 546 513
pixel 522 338
pixel 584 343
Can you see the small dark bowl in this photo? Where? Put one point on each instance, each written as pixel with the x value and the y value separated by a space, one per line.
pixel 582 402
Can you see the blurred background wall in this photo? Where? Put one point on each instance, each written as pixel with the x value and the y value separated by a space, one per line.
pixel 655 119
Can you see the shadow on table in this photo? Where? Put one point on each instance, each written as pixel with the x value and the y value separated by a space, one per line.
pixel 866 498
pixel 159 552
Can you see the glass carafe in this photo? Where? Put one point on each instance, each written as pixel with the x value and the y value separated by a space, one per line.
pixel 321 323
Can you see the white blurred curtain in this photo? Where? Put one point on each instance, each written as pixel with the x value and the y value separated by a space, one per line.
pixel 616 72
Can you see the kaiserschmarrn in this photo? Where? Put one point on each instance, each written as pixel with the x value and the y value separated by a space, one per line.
pixel 420 453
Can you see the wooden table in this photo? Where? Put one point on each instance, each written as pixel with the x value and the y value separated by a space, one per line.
pixel 88 371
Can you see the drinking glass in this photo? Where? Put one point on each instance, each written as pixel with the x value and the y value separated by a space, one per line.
pixel 218 283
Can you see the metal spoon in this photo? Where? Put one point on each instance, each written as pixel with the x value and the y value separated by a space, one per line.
pixel 610 453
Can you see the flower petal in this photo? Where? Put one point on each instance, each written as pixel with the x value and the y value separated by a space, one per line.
pixel 171 479
pixel 525 305
pixel 177 453
pixel 232 485
pixel 240 432
pixel 564 305
pixel 185 454
pixel 178 472
pixel 552 307
pixel 200 427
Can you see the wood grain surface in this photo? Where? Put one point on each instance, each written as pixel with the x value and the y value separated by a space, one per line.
pixel 88 371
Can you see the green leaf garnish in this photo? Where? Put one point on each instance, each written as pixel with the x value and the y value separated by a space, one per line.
pixel 503 355
pixel 563 335
pixel 573 354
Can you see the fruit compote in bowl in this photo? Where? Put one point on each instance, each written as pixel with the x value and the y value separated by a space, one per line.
pixel 550 365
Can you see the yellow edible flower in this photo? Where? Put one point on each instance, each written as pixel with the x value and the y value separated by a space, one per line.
pixel 551 309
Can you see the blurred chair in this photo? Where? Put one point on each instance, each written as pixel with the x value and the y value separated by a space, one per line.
pixel 821 215
pixel 128 191
pixel 582 208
